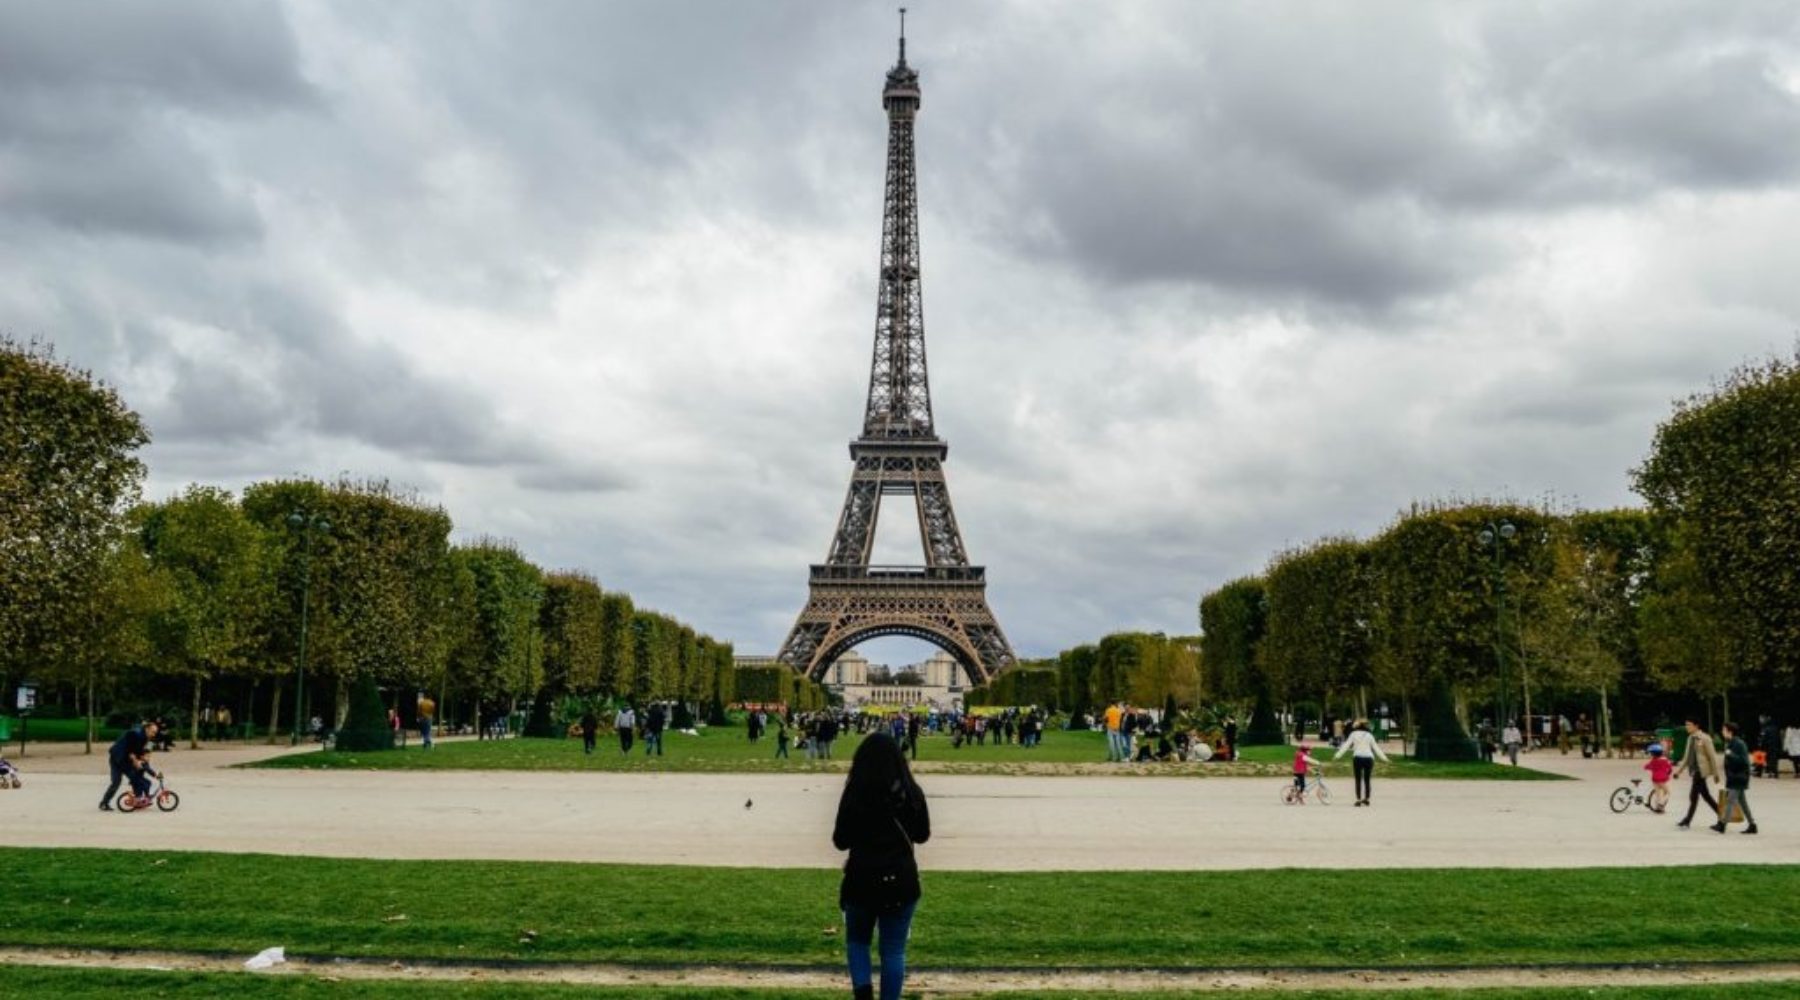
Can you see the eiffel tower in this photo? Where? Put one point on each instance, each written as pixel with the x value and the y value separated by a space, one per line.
pixel 943 602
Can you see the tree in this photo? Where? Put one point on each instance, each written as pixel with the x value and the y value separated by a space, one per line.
pixel 1075 674
pixel 1721 471
pixel 1438 602
pixel 1690 635
pixel 1168 671
pixel 1233 621
pixel 1584 628
pixel 214 565
pixel 1320 609
pixel 569 620
pixel 616 612
pixel 128 595
pixel 68 472
pixel 378 583
pixel 1117 658
pixel 503 660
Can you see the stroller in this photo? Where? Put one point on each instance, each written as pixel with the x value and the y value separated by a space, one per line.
pixel 9 775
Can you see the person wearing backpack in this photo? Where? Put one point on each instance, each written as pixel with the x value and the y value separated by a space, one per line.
pixel 881 815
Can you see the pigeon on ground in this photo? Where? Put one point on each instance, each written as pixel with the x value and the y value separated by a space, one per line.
pixel 748 803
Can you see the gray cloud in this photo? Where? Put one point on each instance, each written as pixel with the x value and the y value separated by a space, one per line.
pixel 1201 282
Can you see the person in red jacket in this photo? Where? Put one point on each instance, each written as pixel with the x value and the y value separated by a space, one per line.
pixel 1303 764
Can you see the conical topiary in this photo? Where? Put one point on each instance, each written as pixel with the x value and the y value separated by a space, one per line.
pixel 1441 733
pixel 1264 729
pixel 366 727
pixel 541 722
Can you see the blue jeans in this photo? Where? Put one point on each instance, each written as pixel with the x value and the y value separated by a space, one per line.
pixel 859 930
pixel 425 733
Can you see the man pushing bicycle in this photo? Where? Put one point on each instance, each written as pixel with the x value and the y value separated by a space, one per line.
pixel 129 758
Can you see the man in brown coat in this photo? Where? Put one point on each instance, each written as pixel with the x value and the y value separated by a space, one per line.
pixel 1702 761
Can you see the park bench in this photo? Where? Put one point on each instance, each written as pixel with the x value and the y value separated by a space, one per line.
pixel 1633 743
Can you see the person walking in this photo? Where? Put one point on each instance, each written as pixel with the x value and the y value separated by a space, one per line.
pixel 1231 731
pixel 881 816
pixel 914 723
pixel 1510 738
pixel 1737 780
pixel 425 710
pixel 625 724
pixel 654 720
pixel 1584 730
pixel 1771 747
pixel 1702 761
pixel 781 739
pixel 1363 750
pixel 590 730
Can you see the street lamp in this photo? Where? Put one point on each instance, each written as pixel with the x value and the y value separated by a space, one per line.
pixel 1495 536
pixel 308 525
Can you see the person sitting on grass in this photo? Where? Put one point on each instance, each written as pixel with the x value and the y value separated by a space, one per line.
pixel 1165 750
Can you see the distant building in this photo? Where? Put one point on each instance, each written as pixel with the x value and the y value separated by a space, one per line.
pixel 941 682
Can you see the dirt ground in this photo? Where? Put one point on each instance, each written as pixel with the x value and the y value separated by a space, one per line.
pixel 980 822
pixel 932 982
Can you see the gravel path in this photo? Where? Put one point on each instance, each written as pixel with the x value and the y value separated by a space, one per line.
pixel 934 982
pixel 981 823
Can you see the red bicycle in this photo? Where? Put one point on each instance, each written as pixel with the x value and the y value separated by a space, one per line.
pixel 164 797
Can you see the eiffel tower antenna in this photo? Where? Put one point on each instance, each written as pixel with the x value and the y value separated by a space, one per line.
pixel 898 454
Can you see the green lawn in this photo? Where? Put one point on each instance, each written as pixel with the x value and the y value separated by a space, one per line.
pixel 83 984
pixel 727 749
pixel 656 914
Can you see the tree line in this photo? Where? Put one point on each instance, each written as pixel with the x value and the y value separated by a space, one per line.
pixel 1474 610
pixel 1148 669
pixel 108 598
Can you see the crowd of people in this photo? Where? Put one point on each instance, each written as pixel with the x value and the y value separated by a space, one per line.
pixel 1138 736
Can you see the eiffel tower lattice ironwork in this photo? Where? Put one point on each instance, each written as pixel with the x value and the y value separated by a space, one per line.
pixel 899 454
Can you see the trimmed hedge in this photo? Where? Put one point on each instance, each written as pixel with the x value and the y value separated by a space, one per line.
pixel 366 727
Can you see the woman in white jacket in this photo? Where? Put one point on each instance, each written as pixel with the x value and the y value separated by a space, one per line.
pixel 1361 745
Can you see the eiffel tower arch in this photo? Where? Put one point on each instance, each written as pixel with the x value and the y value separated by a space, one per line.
pixel 899 454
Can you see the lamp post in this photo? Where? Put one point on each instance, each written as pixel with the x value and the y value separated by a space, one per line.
pixel 1495 536
pixel 308 525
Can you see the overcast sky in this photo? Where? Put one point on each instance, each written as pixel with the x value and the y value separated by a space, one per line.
pixel 1201 280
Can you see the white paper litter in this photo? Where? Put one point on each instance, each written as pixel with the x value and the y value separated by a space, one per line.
pixel 267 958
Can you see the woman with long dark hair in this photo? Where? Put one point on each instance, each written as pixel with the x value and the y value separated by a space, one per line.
pixel 880 817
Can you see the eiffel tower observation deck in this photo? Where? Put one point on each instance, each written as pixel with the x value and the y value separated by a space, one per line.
pixel 943 601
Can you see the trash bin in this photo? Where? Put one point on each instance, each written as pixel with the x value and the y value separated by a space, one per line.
pixel 1668 738
pixel 6 727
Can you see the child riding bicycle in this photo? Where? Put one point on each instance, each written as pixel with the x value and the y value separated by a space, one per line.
pixel 1304 764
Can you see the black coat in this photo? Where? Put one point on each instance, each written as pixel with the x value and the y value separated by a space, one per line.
pixel 880 836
